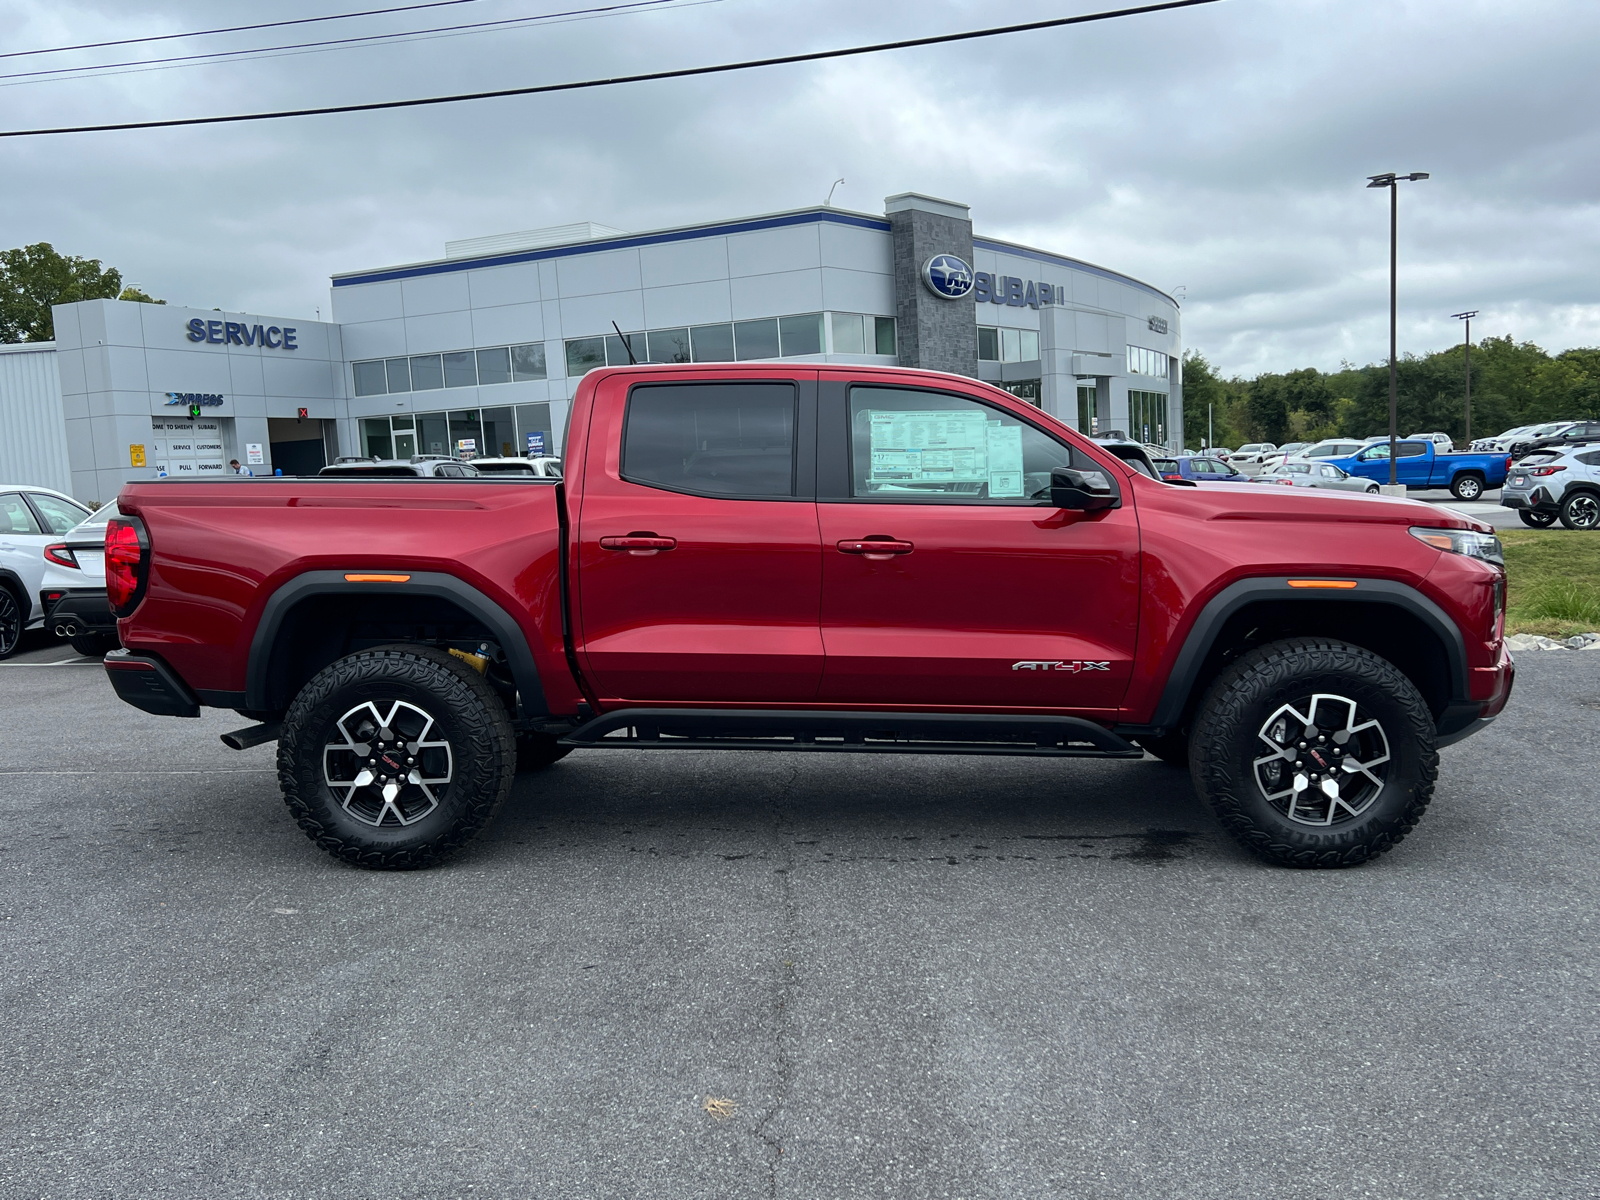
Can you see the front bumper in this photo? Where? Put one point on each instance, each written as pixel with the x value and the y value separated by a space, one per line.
pixel 1491 690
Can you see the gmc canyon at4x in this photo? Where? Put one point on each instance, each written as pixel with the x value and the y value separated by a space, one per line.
pixel 813 558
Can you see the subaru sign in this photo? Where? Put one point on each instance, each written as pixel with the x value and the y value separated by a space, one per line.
pixel 947 276
pixel 1019 293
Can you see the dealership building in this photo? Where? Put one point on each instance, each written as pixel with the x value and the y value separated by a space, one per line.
pixel 478 353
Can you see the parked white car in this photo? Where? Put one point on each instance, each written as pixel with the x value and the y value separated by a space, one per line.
pixel 73 590
pixel 544 467
pixel 30 519
pixel 1441 441
pixel 1253 454
pixel 1330 448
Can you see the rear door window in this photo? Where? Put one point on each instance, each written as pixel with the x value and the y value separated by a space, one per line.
pixel 731 440
pixel 57 514
pixel 15 515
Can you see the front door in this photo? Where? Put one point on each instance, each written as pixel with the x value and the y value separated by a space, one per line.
pixel 948 578
pixel 699 572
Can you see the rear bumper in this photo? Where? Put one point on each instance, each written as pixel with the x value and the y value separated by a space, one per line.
pixel 1538 499
pixel 86 609
pixel 147 683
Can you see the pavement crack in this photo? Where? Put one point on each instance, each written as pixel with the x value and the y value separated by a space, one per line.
pixel 786 983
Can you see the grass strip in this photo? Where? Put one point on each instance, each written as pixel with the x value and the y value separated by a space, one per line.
pixel 1552 581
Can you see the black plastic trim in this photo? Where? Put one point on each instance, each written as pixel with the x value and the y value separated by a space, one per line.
pixel 1169 712
pixel 147 683
pixel 857 733
pixel 422 583
pixel 90 607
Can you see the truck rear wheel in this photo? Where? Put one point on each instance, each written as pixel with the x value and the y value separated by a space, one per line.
pixel 393 758
pixel 1468 486
pixel 1315 753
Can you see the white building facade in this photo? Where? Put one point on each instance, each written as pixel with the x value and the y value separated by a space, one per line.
pixel 480 352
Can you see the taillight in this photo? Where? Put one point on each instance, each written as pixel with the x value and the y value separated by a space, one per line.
pixel 127 565
pixel 1531 471
pixel 60 555
pixel 1286 482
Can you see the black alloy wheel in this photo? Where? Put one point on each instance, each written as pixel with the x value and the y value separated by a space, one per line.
pixel 1536 518
pixel 393 758
pixel 1315 753
pixel 10 622
pixel 1581 511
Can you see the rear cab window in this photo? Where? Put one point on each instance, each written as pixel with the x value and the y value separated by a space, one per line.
pixel 733 440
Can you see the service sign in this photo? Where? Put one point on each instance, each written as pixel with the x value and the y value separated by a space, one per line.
pixel 234 333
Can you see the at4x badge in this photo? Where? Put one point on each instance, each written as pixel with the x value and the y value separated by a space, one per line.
pixel 1075 666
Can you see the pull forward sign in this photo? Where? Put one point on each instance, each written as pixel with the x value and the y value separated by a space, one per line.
pixel 1074 667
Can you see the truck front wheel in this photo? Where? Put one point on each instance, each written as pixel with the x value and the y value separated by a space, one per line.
pixel 1315 753
pixel 393 758
pixel 1467 486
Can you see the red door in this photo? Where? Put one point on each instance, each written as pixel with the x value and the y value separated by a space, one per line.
pixel 699 572
pixel 987 597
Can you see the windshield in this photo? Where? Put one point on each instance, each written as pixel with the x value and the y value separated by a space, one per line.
pixel 97 519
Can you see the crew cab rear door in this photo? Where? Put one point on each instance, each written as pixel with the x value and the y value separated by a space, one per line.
pixel 698 558
pixel 982 594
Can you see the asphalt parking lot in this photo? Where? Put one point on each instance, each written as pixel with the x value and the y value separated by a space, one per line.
pixel 907 977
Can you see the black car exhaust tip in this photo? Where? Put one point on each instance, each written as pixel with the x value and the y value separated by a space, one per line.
pixel 255 735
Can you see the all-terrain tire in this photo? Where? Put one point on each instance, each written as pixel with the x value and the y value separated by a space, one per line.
pixel 1229 738
pixel 1467 486
pixel 1581 510
pixel 364 825
pixel 1170 748
pixel 1536 519
pixel 536 751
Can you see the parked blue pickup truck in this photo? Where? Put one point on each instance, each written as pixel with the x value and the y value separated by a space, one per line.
pixel 1419 465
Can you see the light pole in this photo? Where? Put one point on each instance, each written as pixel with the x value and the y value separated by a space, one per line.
pixel 1391 181
pixel 1467 345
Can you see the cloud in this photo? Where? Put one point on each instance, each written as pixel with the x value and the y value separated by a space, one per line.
pixel 1222 148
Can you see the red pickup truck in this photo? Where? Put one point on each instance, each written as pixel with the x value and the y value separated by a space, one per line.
pixel 813 558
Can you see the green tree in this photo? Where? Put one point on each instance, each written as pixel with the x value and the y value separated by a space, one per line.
pixel 34 277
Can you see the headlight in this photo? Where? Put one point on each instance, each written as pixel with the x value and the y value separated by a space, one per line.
pixel 1463 541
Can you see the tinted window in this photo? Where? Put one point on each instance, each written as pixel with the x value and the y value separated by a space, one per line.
pixel 584 355
pixel 1591 459
pixel 60 515
pixel 1410 449
pixel 756 339
pixel 910 446
pixel 712 343
pixel 15 516
pixel 527 362
pixel 460 369
pixel 801 335
pixel 399 374
pixel 494 366
pixel 426 373
pixel 370 379
pixel 669 346
pixel 712 439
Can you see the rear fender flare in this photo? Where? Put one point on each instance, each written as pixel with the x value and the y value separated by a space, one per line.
pixel 1203 635
pixel 531 698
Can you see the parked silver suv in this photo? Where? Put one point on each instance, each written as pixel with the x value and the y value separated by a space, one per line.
pixel 1551 485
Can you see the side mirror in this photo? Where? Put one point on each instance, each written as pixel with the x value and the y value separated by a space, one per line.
pixel 1082 491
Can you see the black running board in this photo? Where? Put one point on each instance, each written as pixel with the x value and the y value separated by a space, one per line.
pixel 848 733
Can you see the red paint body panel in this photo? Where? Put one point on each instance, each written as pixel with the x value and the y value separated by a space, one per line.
pixel 755 603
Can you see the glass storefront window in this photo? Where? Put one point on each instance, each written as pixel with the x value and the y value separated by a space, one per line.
pixel 375 437
pixel 402 421
pixel 584 355
pixel 370 380
pixel 426 373
pixel 617 352
pixel 1147 362
pixel 494 365
pixel 669 346
pixel 1088 418
pixel 988 344
pixel 460 369
pixel 884 331
pixel 1147 414
pixel 712 343
pixel 527 362
pixel 800 335
pixel 1030 345
pixel 1010 345
pixel 534 418
pixel 756 339
pixel 499 434
pixel 433 434
pixel 465 428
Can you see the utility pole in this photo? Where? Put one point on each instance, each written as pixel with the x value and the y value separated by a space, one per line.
pixel 1391 181
pixel 1467 346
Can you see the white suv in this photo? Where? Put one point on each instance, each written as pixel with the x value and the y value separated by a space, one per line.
pixel 30 519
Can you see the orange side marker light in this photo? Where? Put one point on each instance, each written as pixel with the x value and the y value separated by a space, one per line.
pixel 377 578
pixel 1341 584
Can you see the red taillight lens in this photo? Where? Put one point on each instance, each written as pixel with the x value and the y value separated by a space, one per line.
pixel 1286 482
pixel 1532 471
pixel 60 555
pixel 125 563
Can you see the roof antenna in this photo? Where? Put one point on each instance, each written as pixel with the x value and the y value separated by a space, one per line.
pixel 632 361
pixel 828 203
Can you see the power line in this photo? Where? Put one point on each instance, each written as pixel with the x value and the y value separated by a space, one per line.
pixel 648 77
pixel 167 37
pixel 332 43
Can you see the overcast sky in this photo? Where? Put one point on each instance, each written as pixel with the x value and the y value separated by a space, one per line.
pixel 1218 152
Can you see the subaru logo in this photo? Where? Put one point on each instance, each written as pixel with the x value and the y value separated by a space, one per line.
pixel 947 276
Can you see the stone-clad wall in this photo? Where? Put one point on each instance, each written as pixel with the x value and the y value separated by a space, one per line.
pixel 935 334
